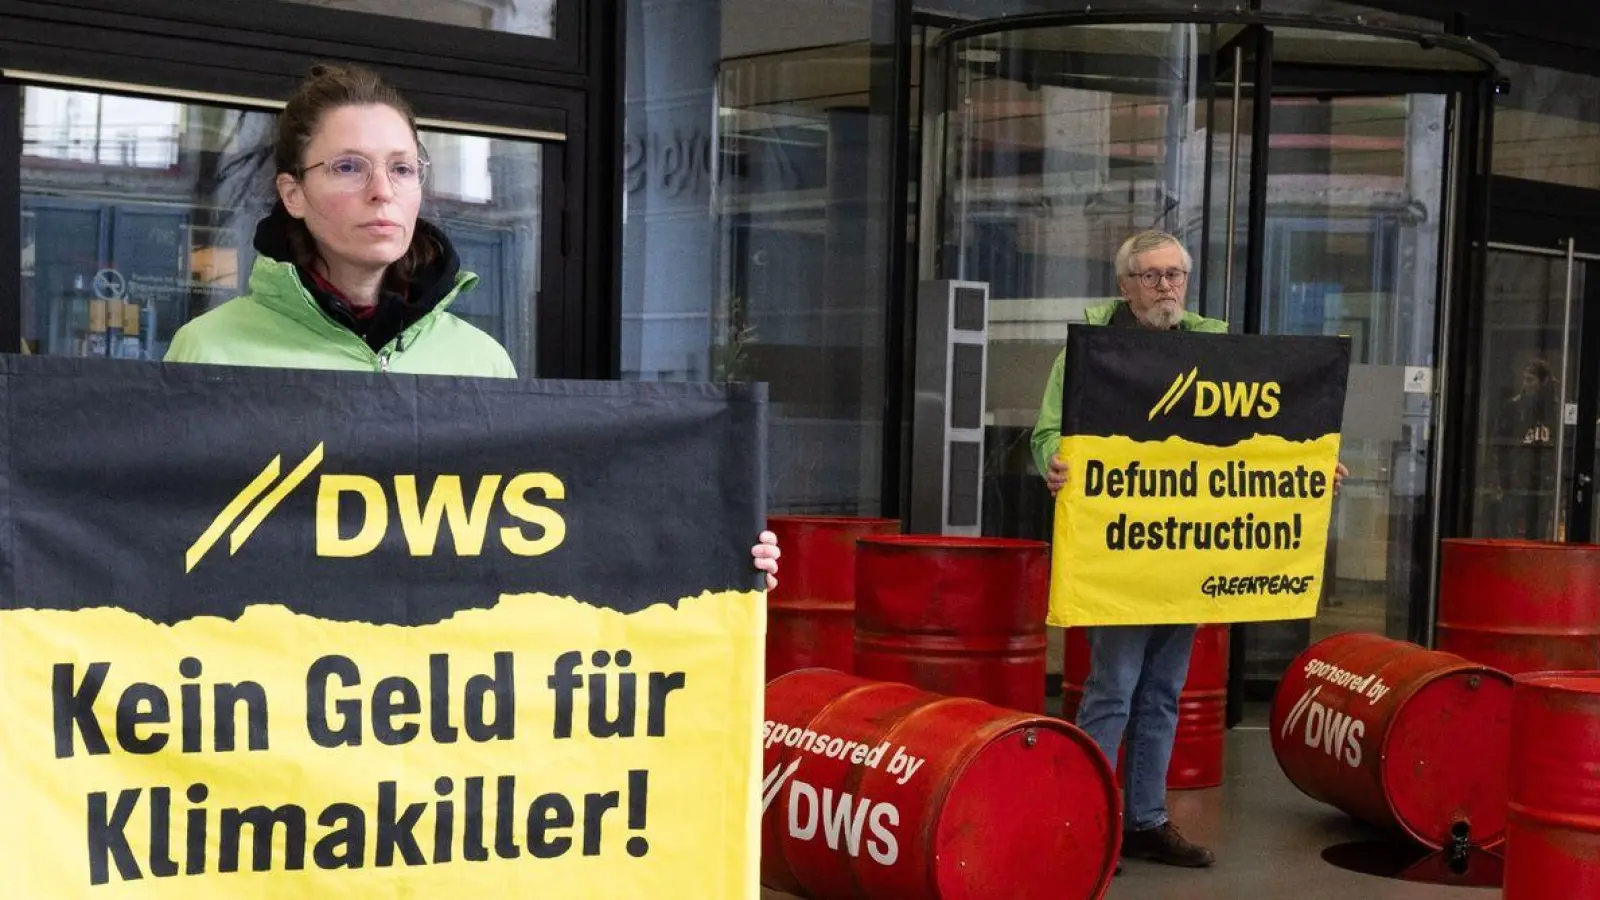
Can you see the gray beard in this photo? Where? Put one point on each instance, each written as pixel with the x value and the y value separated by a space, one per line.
pixel 1164 316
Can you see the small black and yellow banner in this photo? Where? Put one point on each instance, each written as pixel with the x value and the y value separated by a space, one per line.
pixel 1201 476
pixel 278 634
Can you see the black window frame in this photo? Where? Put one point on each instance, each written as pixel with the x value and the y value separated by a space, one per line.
pixel 279 23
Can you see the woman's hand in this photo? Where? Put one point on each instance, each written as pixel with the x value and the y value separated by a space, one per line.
pixel 1339 472
pixel 766 554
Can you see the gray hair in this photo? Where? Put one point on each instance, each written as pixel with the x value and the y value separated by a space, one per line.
pixel 1144 242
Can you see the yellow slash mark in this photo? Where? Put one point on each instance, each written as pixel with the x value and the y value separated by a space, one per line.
pixel 1180 386
pixel 1171 389
pixel 1187 383
pixel 271 501
pixel 237 505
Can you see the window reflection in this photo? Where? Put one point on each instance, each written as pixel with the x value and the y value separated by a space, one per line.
pixel 973 10
pixel 109 131
pixel 534 18
pixel 138 215
pixel 1052 164
pixel 1518 489
pixel 1352 248
pixel 460 167
pixel 1548 127
pixel 802 299
pixel 752 238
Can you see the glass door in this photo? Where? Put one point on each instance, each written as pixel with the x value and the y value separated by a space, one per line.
pixel 1537 424
pixel 1328 215
pixel 1350 240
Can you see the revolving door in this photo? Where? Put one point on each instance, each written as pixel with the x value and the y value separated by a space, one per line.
pixel 1327 177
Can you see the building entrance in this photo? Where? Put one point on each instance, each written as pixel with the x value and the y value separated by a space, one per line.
pixel 1319 174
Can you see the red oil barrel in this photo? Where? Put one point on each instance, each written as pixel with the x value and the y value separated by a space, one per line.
pixel 1552 845
pixel 881 791
pixel 957 616
pixel 1520 606
pixel 1405 738
pixel 1198 750
pixel 811 613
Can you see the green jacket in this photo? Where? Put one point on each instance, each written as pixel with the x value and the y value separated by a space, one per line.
pixel 1047 430
pixel 279 324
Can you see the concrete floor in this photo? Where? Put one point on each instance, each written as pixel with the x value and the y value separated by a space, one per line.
pixel 1269 840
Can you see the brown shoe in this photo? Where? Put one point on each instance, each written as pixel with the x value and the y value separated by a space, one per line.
pixel 1164 844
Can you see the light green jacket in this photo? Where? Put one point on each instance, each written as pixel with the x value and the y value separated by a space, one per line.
pixel 278 324
pixel 1047 430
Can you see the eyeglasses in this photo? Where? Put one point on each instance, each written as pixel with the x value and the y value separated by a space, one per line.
pixel 1151 277
pixel 353 172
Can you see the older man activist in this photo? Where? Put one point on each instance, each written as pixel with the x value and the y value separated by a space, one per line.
pixel 1136 672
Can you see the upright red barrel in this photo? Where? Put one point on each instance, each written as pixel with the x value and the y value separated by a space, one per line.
pixel 1553 838
pixel 811 613
pixel 1520 606
pixel 1199 750
pixel 1402 737
pixel 881 791
pixel 952 615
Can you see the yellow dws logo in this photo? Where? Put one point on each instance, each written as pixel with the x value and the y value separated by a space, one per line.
pixel 1231 399
pixel 420 517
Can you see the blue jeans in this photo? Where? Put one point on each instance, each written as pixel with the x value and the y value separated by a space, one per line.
pixel 1135 675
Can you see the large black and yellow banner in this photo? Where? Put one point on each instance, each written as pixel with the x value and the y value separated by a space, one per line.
pixel 274 634
pixel 1201 476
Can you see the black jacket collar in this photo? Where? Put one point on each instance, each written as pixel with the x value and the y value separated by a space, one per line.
pixel 399 305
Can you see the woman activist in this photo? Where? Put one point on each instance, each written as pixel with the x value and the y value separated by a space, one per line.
pixel 348 276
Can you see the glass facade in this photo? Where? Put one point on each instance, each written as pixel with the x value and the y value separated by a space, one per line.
pixel 755 237
pixel 138 215
pixel 756 232
pixel 533 18
pixel 758 224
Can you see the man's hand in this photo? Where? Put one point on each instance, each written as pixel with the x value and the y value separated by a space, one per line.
pixel 1339 472
pixel 1056 478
